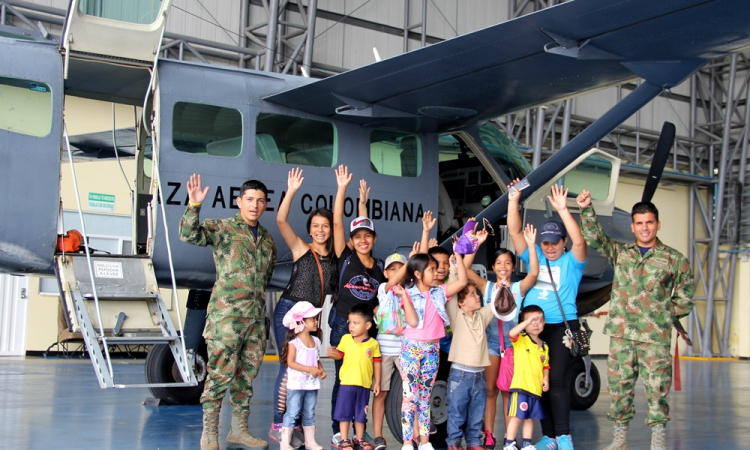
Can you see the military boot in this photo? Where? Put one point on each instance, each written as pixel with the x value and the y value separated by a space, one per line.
pixel 240 437
pixel 620 441
pixel 658 437
pixel 210 435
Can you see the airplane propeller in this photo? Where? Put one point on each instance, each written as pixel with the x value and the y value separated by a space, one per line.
pixel 663 146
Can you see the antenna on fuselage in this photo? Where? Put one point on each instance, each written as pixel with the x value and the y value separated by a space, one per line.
pixel 377 55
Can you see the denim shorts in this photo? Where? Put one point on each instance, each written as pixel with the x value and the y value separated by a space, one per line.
pixel 493 338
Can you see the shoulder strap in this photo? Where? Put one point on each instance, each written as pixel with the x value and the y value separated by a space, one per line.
pixel 559 303
pixel 343 269
pixel 320 272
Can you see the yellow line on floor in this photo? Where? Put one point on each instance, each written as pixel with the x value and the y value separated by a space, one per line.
pixel 703 358
pixel 270 357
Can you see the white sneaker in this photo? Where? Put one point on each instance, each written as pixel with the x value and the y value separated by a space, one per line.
pixel 407 447
pixel 336 440
pixel 510 446
pixel 426 446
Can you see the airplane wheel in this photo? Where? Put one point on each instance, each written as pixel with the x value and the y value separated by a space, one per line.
pixel 161 368
pixel 582 397
pixel 438 406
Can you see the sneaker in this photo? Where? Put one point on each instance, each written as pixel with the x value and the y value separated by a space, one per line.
pixel 455 447
pixel 362 444
pixel 274 433
pixel 564 442
pixel 336 440
pixel 489 440
pixel 546 443
pixel 379 443
pixel 510 446
pixel 426 446
pixel 529 447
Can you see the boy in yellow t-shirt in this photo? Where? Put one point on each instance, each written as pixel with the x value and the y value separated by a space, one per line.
pixel 361 355
pixel 530 375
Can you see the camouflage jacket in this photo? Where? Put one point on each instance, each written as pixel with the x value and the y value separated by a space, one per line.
pixel 648 291
pixel 244 264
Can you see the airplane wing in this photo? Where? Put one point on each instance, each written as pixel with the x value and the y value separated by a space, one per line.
pixel 552 54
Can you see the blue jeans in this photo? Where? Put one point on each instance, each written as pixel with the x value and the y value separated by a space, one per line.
pixel 300 401
pixel 467 394
pixel 339 329
pixel 279 333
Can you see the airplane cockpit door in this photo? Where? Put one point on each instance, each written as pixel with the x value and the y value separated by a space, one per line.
pixel 110 47
pixel 31 105
pixel 598 172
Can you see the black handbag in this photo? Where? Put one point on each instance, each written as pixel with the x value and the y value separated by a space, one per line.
pixel 580 340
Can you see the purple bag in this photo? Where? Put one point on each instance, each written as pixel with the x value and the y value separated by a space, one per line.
pixel 467 244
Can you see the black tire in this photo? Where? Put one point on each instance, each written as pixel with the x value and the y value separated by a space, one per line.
pixel 581 397
pixel 439 405
pixel 160 368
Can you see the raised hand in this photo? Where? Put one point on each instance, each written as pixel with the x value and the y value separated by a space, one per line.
pixel 295 179
pixel 398 289
pixel 427 221
pixel 559 198
pixel 196 193
pixel 513 194
pixel 364 191
pixel 529 235
pixel 414 249
pixel 343 177
pixel 584 199
pixel 482 236
pixel 432 243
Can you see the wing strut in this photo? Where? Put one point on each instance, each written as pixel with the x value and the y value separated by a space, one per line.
pixel 584 141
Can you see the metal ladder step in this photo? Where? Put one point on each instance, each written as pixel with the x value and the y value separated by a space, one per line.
pixel 138 340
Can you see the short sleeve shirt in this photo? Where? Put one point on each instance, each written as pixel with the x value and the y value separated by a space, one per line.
pixel 567 273
pixel 529 362
pixel 357 369
pixel 359 284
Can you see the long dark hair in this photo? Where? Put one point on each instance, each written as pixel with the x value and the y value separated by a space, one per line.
pixel 328 215
pixel 284 350
pixel 504 251
pixel 417 263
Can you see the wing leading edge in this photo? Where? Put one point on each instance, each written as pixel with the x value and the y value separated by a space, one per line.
pixel 559 52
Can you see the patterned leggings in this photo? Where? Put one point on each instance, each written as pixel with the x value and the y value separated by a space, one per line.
pixel 419 365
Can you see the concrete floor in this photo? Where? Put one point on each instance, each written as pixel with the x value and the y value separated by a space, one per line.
pixel 57 404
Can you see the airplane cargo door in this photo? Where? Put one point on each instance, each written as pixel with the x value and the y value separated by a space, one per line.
pixel 31 93
pixel 13 301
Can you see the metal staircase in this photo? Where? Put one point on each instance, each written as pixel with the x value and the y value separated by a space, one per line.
pixel 115 300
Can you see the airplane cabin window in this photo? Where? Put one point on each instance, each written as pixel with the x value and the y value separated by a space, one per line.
pixel 295 140
pixel 395 153
pixel 511 160
pixel 593 174
pixel 207 129
pixel 142 12
pixel 27 106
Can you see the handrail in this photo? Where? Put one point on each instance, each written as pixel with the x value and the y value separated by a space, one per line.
pixel 88 254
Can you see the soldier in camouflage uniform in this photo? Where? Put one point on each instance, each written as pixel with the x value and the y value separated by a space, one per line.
pixel 235 332
pixel 652 286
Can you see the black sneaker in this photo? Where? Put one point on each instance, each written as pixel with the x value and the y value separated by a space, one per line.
pixel 379 443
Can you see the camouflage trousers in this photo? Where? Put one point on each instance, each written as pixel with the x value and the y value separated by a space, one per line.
pixel 236 347
pixel 627 360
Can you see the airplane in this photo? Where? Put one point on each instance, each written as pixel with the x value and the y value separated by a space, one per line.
pixel 425 116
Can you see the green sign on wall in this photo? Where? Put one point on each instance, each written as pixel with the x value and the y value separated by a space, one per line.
pixel 101 202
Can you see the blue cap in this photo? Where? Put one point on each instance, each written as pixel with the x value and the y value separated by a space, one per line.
pixel 552 231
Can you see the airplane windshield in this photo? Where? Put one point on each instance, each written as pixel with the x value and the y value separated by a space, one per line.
pixel 511 160
pixel 142 12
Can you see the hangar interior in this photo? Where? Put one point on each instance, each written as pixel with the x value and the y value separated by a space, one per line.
pixel 705 172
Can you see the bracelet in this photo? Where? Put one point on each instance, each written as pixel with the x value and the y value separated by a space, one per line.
pixel 194 203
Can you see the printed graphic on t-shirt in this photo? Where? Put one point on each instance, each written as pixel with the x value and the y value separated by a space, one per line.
pixel 543 282
pixel 363 287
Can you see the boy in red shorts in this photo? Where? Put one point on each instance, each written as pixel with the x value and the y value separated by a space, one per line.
pixel 530 376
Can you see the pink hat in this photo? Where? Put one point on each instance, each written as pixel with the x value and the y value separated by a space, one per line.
pixel 294 318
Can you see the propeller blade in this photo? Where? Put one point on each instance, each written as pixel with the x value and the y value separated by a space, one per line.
pixel 663 146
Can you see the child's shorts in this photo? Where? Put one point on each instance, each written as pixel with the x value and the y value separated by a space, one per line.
pixel 387 364
pixel 524 405
pixel 351 404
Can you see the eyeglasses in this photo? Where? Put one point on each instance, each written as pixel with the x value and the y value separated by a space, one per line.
pixel 488 226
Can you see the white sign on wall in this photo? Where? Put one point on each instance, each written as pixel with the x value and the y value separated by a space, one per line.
pixel 101 202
